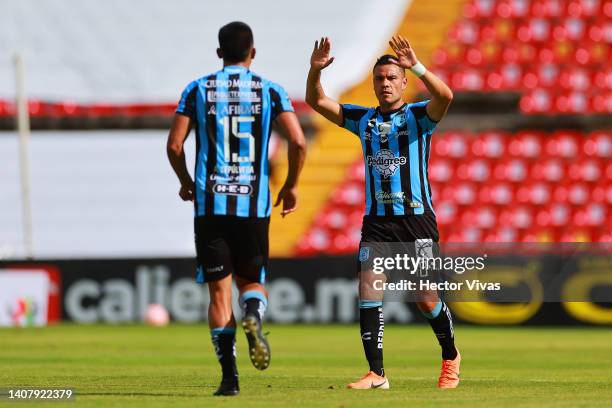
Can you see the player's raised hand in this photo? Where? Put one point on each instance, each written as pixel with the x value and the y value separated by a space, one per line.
pixel 289 198
pixel 406 57
pixel 320 58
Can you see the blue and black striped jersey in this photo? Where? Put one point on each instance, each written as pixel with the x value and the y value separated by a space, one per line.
pixel 232 111
pixel 396 149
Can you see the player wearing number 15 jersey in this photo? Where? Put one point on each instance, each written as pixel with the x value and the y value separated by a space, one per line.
pixel 232 112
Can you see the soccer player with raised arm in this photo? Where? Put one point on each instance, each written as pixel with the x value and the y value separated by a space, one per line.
pixel 396 139
pixel 232 112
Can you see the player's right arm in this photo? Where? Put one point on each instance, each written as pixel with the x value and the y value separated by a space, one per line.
pixel 315 96
pixel 179 131
pixel 181 125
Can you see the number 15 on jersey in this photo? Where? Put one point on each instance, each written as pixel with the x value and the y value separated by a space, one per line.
pixel 235 157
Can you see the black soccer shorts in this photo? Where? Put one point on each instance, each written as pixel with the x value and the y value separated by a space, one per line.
pixel 382 236
pixel 228 244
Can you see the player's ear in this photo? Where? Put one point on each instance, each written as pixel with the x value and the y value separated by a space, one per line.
pixel 404 82
pixel 253 52
pixel 219 53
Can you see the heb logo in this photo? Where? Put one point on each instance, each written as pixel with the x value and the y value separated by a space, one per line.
pixel 233 189
pixel 385 162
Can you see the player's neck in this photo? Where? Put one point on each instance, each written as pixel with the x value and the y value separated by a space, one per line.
pixel 386 108
pixel 245 64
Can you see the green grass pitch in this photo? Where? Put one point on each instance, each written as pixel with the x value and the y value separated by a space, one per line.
pixel 139 366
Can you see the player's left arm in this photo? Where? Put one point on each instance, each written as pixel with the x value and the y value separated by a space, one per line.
pixel 441 94
pixel 289 127
pixel 181 125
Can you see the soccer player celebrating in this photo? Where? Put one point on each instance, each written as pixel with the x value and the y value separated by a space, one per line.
pixel 396 140
pixel 232 111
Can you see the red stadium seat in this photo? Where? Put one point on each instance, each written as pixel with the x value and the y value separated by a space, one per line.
pixel 317 240
pixel 440 170
pixel 463 193
pixel 563 144
pixel 592 215
pixel 602 193
pixel 350 194
pixel 499 193
pixel 537 101
pixel 479 8
pixel 519 8
pixel 555 215
pixel 490 144
pixel 575 194
pixel 527 145
pixel 452 145
pixel 477 170
pixel 602 103
pixel 549 170
pixel 446 212
pixel 598 144
pixel 334 220
pixel 483 217
pixel 577 79
pixel 519 217
pixel 513 171
pixel 502 234
pixel 587 170
pixel 535 193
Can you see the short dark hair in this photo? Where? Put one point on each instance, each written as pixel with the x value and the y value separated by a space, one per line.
pixel 388 59
pixel 235 41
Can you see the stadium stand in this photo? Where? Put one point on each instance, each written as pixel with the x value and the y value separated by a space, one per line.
pixel 555 53
pixel 495 178
pixel 495 187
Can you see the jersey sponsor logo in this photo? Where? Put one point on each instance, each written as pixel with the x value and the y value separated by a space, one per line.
pixel 386 163
pixel 236 83
pixel 236 110
pixel 233 178
pixel 384 129
pixel 233 189
pixel 390 198
pixel 232 96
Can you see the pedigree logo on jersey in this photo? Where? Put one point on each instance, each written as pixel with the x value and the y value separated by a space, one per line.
pixel 386 163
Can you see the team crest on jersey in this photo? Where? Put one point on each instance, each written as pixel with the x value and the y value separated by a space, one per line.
pixel 385 162
pixel 400 120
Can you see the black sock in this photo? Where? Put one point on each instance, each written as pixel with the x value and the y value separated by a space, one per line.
pixel 224 342
pixel 253 306
pixel 371 321
pixel 441 322
pixel 254 303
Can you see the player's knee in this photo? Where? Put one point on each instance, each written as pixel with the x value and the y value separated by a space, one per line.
pixel 427 306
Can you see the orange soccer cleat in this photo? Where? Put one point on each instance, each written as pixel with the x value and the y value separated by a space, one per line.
pixel 449 375
pixel 370 380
